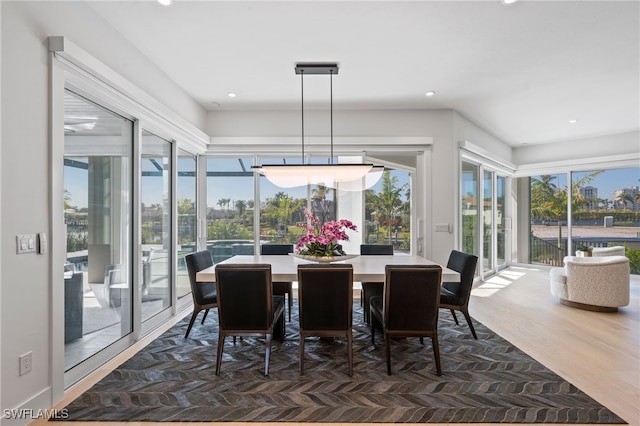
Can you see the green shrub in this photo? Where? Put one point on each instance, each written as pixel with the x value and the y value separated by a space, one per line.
pixel 634 259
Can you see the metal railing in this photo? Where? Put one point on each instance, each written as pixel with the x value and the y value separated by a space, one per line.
pixel 547 253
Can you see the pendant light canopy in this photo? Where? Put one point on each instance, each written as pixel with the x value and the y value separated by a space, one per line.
pixel 349 177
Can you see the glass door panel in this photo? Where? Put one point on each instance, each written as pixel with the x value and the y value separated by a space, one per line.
pixel 548 244
pixel 487 221
pixel 97 209
pixel 155 195
pixel 230 207
pixel 500 199
pixel 187 221
pixel 470 192
pixel 606 211
pixel 282 209
pixel 388 209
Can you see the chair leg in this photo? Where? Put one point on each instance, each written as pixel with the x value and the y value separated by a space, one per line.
pixel 301 361
pixel 290 300
pixel 204 316
pixel 267 354
pixel 282 326
pixel 454 316
pixel 219 357
pixel 436 353
pixel 350 351
pixel 468 317
pixel 387 342
pixel 373 330
pixel 193 318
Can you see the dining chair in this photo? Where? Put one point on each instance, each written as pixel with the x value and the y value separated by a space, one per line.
pixel 325 300
pixel 280 287
pixel 247 306
pixel 203 293
pixel 456 296
pixel 409 306
pixel 370 289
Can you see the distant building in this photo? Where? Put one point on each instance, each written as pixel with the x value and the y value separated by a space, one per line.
pixel 626 198
pixel 591 194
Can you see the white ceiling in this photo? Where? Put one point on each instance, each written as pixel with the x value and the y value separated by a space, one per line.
pixel 520 71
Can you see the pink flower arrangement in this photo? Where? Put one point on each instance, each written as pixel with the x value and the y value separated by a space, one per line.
pixel 323 240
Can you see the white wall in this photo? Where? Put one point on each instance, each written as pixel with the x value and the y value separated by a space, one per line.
pixel 591 148
pixel 465 130
pixel 25 280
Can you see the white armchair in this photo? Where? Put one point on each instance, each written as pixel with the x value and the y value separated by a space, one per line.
pixel 607 251
pixel 592 283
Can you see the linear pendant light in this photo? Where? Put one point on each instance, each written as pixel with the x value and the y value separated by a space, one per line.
pixel 349 177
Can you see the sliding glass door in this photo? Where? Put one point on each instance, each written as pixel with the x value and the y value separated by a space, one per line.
pixel 483 230
pixel 98 148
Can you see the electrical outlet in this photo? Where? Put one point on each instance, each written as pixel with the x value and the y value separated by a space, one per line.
pixel 26 363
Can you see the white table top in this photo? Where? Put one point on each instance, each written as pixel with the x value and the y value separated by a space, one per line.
pixel 365 268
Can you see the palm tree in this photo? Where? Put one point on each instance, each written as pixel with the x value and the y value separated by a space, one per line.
pixel 319 197
pixel 548 201
pixel 388 202
pixel 241 206
pixel 623 198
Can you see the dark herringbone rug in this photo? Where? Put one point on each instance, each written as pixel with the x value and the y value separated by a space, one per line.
pixel 486 380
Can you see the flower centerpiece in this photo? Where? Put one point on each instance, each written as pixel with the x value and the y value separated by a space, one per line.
pixel 321 241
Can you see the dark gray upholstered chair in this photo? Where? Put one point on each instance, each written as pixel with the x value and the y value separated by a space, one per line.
pixel 247 306
pixel 325 300
pixel 282 288
pixel 203 293
pixel 73 306
pixel 455 296
pixel 370 289
pixel 409 307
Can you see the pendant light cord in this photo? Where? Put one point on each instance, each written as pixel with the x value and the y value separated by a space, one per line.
pixel 331 108
pixel 302 109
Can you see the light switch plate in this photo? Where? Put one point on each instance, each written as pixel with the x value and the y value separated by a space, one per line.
pixel 25 243
pixel 443 227
pixel 42 242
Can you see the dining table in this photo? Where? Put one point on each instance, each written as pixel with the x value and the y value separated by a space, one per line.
pixel 365 268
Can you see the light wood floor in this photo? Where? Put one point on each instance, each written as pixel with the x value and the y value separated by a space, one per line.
pixel 597 352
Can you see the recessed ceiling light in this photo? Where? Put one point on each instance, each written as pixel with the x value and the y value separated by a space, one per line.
pixel 509 1
pixel 231 95
pixel 164 2
pixel 430 93
pixel 573 121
